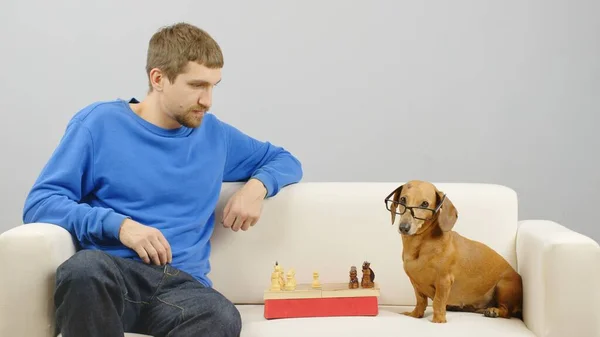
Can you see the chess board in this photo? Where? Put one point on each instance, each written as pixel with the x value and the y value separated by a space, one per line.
pixel 329 299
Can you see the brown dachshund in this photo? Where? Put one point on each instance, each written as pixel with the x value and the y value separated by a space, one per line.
pixel 457 273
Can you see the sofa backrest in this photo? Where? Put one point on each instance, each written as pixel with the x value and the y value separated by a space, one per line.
pixel 328 227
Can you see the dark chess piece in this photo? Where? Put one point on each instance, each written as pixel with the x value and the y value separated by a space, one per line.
pixel 353 284
pixel 368 277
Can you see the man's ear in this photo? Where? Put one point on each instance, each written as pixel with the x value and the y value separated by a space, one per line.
pixel 156 79
pixel 394 205
pixel 447 214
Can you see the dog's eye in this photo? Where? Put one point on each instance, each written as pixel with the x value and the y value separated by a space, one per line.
pixel 403 200
pixel 424 204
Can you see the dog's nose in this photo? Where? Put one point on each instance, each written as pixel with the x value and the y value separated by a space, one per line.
pixel 404 228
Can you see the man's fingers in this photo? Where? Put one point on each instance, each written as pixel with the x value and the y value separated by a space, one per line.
pixel 233 221
pixel 167 246
pixel 226 212
pixel 239 221
pixel 247 223
pixel 152 253
pixel 229 219
pixel 161 250
pixel 142 254
pixel 149 243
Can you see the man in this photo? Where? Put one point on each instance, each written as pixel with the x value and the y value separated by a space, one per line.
pixel 136 183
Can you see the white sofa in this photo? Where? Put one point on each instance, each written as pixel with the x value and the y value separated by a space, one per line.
pixel 327 227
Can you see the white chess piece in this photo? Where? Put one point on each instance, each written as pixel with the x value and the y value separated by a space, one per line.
pixel 291 280
pixel 316 284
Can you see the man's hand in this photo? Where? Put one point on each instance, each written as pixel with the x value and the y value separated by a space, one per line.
pixel 243 209
pixel 149 243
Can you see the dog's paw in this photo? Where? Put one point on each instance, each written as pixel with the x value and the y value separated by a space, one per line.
pixel 439 319
pixel 413 314
pixel 491 312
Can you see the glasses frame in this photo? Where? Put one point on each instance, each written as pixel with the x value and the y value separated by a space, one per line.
pixel 412 212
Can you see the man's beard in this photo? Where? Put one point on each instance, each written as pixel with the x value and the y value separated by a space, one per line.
pixel 189 118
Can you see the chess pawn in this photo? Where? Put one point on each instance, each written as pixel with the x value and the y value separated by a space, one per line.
pixel 353 284
pixel 316 284
pixel 291 280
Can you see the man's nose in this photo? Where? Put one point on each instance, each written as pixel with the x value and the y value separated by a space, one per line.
pixel 206 98
pixel 404 227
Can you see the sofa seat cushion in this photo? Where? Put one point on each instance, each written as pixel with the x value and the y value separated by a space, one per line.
pixel 127 334
pixel 389 322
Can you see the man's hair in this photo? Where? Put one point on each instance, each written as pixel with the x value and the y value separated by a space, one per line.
pixel 172 47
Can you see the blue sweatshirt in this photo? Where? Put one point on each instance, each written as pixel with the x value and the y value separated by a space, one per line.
pixel 112 164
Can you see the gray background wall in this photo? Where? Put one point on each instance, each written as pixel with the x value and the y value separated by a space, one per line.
pixel 503 92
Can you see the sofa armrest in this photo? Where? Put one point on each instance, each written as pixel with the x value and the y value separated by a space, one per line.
pixel 561 277
pixel 29 256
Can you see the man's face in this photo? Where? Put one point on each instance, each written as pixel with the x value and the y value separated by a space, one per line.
pixel 189 97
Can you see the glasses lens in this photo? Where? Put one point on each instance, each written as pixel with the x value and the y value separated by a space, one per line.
pixel 394 206
pixel 422 213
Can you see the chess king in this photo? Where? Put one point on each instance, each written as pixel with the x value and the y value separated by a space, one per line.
pixel 277 281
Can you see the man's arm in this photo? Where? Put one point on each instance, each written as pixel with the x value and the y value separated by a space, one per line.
pixel 249 158
pixel 266 168
pixel 64 181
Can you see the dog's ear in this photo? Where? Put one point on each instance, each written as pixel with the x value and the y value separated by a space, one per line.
pixel 447 214
pixel 394 205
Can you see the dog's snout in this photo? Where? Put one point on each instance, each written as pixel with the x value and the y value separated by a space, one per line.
pixel 404 227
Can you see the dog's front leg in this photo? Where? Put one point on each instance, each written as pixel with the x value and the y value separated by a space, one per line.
pixel 419 309
pixel 442 291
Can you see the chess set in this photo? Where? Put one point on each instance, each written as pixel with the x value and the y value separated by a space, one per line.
pixel 287 299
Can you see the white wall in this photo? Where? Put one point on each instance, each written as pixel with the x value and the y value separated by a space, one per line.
pixel 503 92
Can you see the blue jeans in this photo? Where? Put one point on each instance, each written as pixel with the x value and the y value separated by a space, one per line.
pixel 98 294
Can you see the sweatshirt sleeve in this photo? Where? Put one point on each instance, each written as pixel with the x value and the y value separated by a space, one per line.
pixel 66 179
pixel 250 158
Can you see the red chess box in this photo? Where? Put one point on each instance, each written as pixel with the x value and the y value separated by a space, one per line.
pixel 332 299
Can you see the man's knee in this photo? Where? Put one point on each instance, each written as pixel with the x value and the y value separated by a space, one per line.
pixel 80 297
pixel 83 267
pixel 225 318
pixel 228 316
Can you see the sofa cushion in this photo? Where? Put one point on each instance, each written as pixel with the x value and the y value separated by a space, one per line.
pixel 127 334
pixel 389 322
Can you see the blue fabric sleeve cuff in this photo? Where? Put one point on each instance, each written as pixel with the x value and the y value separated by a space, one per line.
pixel 267 181
pixel 112 225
